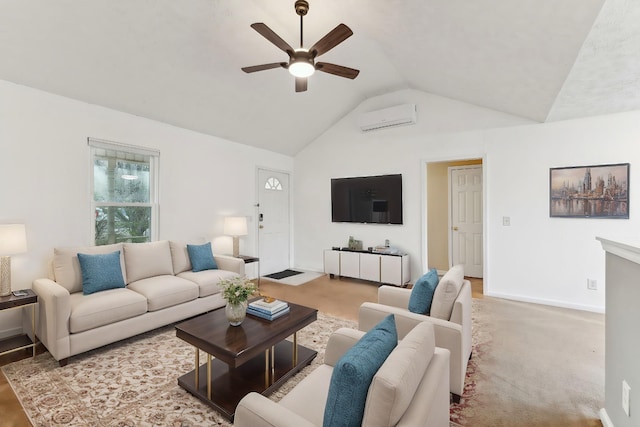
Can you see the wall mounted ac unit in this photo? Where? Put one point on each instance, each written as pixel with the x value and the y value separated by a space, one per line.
pixel 400 115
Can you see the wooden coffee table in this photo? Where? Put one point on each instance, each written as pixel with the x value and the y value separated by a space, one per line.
pixel 240 359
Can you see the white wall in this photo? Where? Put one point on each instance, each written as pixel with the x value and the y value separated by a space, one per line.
pixel 44 170
pixel 538 258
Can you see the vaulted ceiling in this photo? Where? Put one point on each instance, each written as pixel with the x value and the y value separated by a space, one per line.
pixel 178 61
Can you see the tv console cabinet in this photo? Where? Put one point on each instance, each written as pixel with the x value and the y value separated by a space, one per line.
pixel 391 269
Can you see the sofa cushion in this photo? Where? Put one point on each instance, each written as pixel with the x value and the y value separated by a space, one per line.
pixel 207 280
pixel 104 308
pixel 309 397
pixel 397 380
pixel 422 292
pixel 165 291
pixel 201 257
pixel 353 373
pixel 179 257
pixel 446 293
pixel 66 266
pixel 100 272
pixel 143 260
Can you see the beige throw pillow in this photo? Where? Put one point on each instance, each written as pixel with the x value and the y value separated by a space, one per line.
pixel 397 380
pixel 446 292
pixel 147 260
pixel 66 266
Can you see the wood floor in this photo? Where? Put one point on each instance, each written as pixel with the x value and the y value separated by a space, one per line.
pixel 336 297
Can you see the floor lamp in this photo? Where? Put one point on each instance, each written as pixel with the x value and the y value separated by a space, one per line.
pixel 13 240
pixel 235 226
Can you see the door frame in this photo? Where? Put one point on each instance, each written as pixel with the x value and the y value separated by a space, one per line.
pixel 256 206
pixel 424 258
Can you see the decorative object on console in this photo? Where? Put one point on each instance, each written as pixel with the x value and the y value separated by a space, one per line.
pixel 354 245
pixel 235 226
pixel 13 240
pixel 236 291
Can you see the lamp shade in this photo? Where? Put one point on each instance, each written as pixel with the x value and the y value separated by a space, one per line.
pixel 235 226
pixel 13 239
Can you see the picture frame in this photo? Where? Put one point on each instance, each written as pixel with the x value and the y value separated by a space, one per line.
pixel 595 191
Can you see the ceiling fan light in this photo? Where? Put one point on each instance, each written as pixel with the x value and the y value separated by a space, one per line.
pixel 301 68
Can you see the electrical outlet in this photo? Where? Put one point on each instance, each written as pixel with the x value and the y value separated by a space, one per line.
pixel 626 391
pixel 592 284
pixel 506 221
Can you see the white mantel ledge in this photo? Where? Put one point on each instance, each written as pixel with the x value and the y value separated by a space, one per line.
pixel 627 249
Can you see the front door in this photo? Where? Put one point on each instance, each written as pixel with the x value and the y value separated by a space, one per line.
pixel 466 218
pixel 273 221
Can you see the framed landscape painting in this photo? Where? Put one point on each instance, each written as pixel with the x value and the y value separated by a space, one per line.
pixel 600 191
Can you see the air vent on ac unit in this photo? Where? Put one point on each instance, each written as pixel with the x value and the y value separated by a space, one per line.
pixel 400 115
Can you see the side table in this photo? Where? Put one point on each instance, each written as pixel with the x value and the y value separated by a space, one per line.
pixel 248 259
pixel 20 342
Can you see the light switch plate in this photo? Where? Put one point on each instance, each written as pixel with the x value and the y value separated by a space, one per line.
pixel 626 391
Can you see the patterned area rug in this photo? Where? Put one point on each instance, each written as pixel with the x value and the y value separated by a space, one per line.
pixel 134 382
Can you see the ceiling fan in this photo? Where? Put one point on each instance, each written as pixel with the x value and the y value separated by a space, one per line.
pixel 302 61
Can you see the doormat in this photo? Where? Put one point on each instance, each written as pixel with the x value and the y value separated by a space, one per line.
pixel 282 274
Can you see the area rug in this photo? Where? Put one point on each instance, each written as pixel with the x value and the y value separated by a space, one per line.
pixel 134 382
pixel 282 274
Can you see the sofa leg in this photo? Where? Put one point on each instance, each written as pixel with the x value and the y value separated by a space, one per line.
pixel 63 362
pixel 471 355
pixel 455 398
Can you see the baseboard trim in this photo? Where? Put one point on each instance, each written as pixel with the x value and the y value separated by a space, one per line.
pixel 554 303
pixel 604 417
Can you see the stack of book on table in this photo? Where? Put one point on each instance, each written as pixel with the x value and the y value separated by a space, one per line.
pixel 268 310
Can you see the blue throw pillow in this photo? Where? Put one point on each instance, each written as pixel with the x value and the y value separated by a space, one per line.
pixel 422 293
pixel 353 373
pixel 100 272
pixel 201 257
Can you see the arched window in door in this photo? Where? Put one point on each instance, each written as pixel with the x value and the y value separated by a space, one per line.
pixel 273 183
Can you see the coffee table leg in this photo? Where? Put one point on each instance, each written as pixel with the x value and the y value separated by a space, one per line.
pixel 295 349
pixel 197 370
pixel 208 376
pixel 273 363
pixel 266 368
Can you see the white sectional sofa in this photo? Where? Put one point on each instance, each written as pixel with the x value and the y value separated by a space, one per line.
pixel 161 288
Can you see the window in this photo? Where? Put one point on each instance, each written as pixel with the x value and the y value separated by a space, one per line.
pixel 124 204
pixel 273 183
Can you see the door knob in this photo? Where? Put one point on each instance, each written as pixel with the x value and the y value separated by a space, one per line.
pixel 454 228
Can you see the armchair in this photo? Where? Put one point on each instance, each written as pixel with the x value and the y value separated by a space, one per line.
pixel 411 388
pixel 453 333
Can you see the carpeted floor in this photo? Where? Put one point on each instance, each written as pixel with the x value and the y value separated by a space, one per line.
pixel 537 366
pixel 532 366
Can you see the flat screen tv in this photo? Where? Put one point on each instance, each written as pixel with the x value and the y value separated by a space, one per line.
pixel 367 199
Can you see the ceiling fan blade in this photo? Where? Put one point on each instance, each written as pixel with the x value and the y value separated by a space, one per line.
pixel 270 35
pixel 338 70
pixel 255 68
pixel 331 40
pixel 301 84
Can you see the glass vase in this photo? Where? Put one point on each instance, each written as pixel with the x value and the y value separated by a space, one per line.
pixel 236 312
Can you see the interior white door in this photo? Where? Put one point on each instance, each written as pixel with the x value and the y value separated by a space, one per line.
pixel 466 218
pixel 273 221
